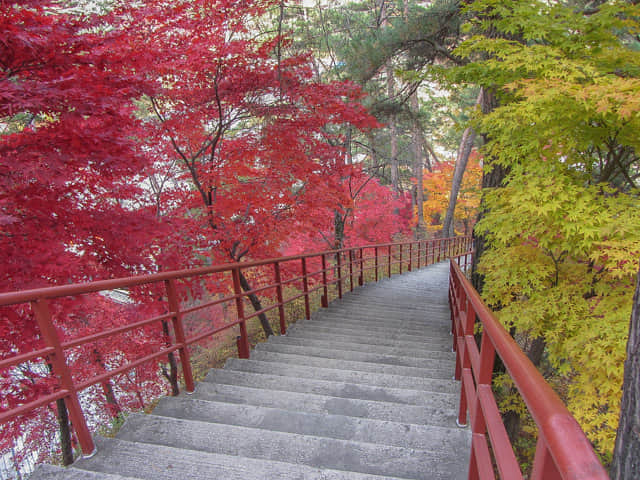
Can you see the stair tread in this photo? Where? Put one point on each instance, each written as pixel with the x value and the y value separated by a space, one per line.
pixel 159 462
pixel 339 344
pixel 51 472
pixel 312 451
pixel 395 331
pixel 441 343
pixel 359 356
pixel 344 375
pixel 307 360
pixel 426 437
pixel 440 411
pixel 335 388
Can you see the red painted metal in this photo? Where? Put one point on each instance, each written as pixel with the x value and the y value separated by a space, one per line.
pixel 60 369
pixel 305 289
pixel 351 285
pixel 410 256
pixel 375 253
pixel 278 279
pixel 563 451
pixel 339 269
pixel 56 352
pixel 176 320
pixel 325 289
pixel 243 338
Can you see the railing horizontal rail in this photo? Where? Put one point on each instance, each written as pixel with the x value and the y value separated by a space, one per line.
pixel 340 269
pixel 129 366
pixel 76 342
pixel 28 407
pixel 24 296
pixel 563 450
pixel 26 357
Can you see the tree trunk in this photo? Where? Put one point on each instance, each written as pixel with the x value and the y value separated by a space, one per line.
pixel 65 432
pixel 417 167
pixel 172 374
pixel 512 421
pixel 338 226
pixel 466 144
pixel 493 175
pixel 468 137
pixel 395 175
pixel 107 388
pixel 626 455
pixel 393 130
pixel 65 429
pixel 375 162
pixel 257 306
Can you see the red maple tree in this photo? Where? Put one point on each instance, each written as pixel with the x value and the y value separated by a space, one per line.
pixel 156 136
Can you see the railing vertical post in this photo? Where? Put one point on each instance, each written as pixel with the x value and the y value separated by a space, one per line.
pixel 400 260
pixel 361 277
pixel 389 261
pixel 463 360
pixel 410 255
pixel 543 465
pixel 61 370
pixel 325 291
pixel 351 269
pixel 280 298
pixel 243 339
pixel 178 330
pixel 338 258
pixel 487 358
pixel 419 252
pixel 305 288
pixel 426 253
pixel 375 252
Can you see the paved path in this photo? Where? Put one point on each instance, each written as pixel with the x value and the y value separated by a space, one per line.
pixel 362 391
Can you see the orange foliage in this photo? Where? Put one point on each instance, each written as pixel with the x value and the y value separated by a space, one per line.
pixel 437 187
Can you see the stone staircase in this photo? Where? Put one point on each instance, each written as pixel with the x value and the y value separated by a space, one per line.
pixel 362 391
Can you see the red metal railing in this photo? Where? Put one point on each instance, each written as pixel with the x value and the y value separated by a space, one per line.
pixel 353 260
pixel 563 451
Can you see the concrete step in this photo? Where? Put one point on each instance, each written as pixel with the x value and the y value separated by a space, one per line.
pixel 441 410
pixel 331 388
pixel 370 308
pixel 340 344
pixel 310 361
pixel 426 336
pixel 442 345
pixel 389 297
pixel 312 451
pixel 50 472
pixel 356 378
pixel 390 318
pixel 425 437
pixel 383 326
pixel 447 365
pixel 158 462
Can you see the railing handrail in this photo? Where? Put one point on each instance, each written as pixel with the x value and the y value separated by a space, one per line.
pixel 55 346
pixel 568 446
pixel 79 288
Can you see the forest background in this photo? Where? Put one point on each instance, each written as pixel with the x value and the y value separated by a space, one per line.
pixel 159 135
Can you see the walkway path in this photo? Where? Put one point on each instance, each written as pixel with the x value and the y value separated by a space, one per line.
pixel 362 391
